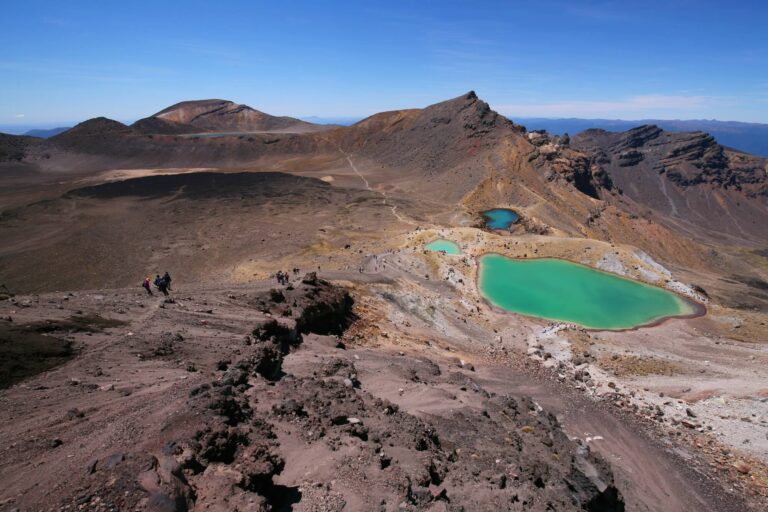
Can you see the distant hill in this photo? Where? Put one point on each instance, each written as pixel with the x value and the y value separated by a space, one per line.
pixel 46 133
pixel 227 116
pixel 749 137
pixel 339 121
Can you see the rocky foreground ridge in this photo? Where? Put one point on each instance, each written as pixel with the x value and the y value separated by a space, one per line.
pixel 248 416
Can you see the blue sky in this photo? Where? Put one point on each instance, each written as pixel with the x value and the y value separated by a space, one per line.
pixel 68 61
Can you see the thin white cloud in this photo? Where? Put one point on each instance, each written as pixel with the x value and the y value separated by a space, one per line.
pixel 650 105
pixel 19 116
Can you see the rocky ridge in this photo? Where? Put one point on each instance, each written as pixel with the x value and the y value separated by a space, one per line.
pixel 553 157
pixel 241 438
pixel 687 159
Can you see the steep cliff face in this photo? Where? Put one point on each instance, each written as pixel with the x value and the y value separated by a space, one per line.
pixel 553 157
pixel 687 159
pixel 688 177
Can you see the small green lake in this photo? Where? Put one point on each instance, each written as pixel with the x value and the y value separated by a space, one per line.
pixel 445 246
pixel 556 289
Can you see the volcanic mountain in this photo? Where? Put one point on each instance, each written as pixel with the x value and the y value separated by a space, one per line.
pixel 225 116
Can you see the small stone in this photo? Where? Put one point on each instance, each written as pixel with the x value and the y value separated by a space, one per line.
pixel 113 460
pixel 74 413
pixel 742 468
pixel 91 467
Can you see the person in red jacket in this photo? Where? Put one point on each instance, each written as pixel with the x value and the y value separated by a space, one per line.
pixel 146 285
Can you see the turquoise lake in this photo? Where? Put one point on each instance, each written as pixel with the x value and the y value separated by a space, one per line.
pixel 445 246
pixel 499 218
pixel 560 290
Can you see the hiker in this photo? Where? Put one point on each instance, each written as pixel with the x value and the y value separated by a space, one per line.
pixel 163 286
pixel 279 277
pixel 157 281
pixel 146 285
pixel 167 279
pixel 286 278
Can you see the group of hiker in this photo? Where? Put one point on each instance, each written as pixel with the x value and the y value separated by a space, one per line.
pixel 161 283
pixel 284 278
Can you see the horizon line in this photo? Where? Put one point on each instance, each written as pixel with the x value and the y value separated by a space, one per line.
pixel 47 125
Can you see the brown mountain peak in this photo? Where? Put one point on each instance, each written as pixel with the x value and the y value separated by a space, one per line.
pixel 216 115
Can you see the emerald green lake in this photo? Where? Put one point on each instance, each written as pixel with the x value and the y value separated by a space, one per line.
pixel 561 290
pixel 445 246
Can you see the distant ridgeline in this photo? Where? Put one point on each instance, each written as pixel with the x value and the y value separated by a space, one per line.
pixel 749 137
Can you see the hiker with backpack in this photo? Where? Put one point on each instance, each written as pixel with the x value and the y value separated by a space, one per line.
pixel 167 279
pixel 163 286
pixel 146 285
